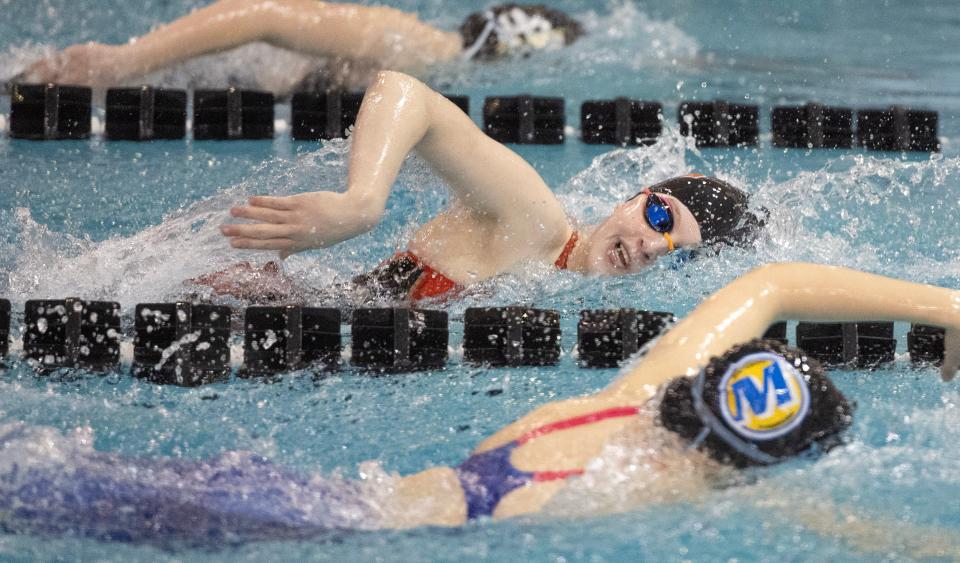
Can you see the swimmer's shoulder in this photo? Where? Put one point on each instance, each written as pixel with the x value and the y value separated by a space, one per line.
pixel 356 10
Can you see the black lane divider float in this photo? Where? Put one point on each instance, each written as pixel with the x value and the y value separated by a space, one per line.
pixel 4 328
pixel 607 337
pixel 145 114
pixel 181 343
pixel 778 332
pixel 525 120
pixel 279 339
pixel 232 114
pixel 318 116
pixel 925 343
pixel 323 115
pixel 898 129
pixel 812 126
pixel 863 344
pixel 72 333
pixel 720 124
pixel 621 122
pixel 511 336
pixel 189 344
pixel 53 112
pixel 49 112
pixel 399 339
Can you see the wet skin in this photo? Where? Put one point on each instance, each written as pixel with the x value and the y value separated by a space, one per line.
pixel 625 242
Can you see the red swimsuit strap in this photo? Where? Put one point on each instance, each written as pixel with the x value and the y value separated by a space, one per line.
pixel 584 419
pixel 434 284
pixel 567 250
pixel 590 418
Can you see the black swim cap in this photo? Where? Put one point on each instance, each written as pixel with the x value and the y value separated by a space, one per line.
pixel 760 403
pixel 719 208
pixel 494 32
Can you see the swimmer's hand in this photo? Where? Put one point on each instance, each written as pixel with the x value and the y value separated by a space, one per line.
pixel 300 222
pixel 89 64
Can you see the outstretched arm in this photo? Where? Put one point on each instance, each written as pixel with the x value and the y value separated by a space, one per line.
pixel 386 37
pixel 745 308
pixel 399 114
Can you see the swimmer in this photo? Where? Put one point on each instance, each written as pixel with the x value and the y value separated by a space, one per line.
pixel 502 213
pixel 351 42
pixel 707 402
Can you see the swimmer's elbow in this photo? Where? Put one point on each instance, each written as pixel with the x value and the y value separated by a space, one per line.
pixel 394 77
pixel 401 85
pixel 776 284
pixel 765 282
pixel 403 88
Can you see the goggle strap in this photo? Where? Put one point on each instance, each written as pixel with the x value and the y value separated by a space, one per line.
pixel 747 449
pixel 670 244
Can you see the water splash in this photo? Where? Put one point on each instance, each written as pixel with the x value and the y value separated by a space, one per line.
pixel 628 35
pixel 154 263
pixel 621 35
pixel 19 57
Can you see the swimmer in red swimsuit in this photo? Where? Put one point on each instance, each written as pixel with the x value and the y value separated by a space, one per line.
pixel 502 213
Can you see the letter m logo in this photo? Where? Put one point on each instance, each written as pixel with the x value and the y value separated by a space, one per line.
pixel 773 392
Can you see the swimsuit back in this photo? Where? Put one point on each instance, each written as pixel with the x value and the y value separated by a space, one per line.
pixel 488 476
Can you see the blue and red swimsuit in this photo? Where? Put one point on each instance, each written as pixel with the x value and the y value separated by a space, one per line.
pixel 488 476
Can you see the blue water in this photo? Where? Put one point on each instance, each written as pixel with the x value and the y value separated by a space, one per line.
pixel 129 222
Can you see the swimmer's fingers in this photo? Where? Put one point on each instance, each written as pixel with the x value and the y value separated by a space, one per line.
pixel 267 244
pixel 260 231
pixel 264 214
pixel 951 354
pixel 271 202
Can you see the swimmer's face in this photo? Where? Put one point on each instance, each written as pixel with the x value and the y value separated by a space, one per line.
pixel 626 243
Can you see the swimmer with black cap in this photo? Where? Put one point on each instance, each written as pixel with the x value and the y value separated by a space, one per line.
pixel 502 214
pixel 705 402
pixel 349 43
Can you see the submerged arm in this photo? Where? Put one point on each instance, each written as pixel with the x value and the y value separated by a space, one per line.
pixel 745 308
pixel 881 535
pixel 388 37
pixel 400 114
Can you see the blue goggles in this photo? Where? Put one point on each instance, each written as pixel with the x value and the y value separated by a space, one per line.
pixel 658 215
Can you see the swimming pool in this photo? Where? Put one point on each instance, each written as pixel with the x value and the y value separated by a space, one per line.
pixel 130 221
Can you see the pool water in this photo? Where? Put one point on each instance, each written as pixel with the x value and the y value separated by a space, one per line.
pixel 128 222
